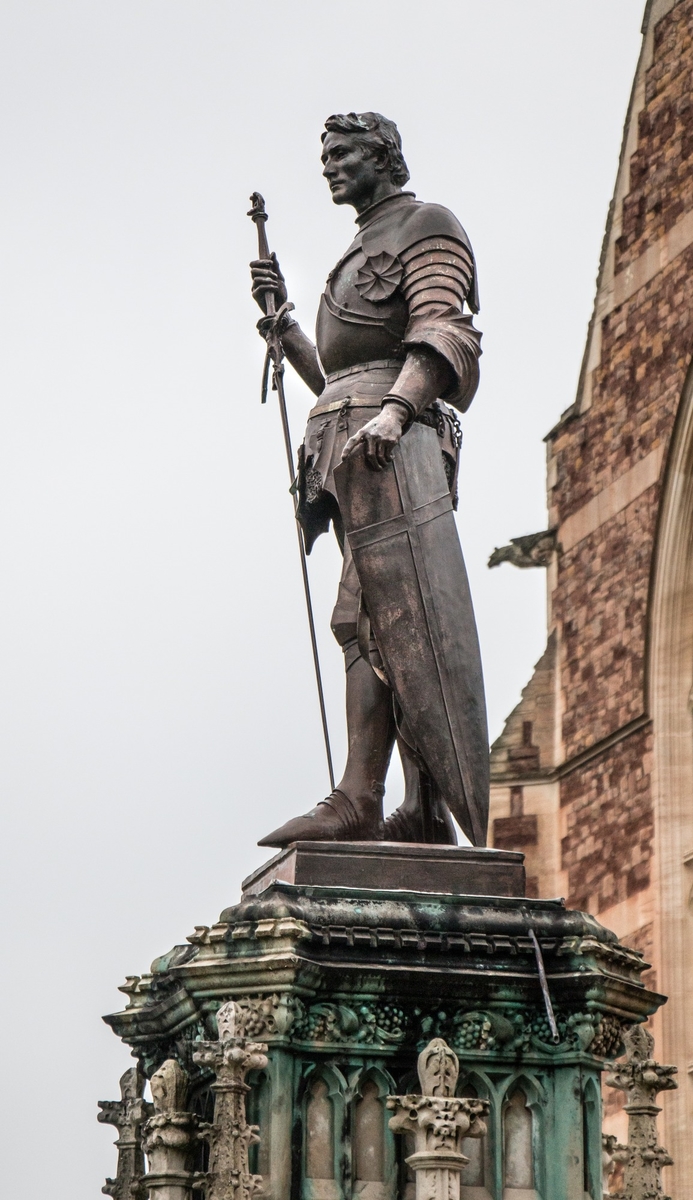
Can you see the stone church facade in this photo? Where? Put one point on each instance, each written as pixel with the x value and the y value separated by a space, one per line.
pixel 592 776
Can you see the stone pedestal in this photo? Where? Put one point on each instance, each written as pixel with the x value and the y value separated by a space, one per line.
pixel 347 984
pixel 452 870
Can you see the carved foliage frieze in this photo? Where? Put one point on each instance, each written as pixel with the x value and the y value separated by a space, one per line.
pixel 374 1022
pixel 516 1029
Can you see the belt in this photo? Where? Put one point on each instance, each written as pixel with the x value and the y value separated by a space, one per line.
pixel 348 402
pixel 430 416
pixel 397 363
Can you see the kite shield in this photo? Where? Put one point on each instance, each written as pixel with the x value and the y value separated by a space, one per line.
pixel 403 536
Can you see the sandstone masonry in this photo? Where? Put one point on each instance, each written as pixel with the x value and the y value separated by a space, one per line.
pixel 587 707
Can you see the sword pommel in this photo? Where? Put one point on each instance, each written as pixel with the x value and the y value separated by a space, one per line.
pixel 257 209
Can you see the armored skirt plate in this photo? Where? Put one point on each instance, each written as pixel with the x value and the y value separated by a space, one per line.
pixel 455 870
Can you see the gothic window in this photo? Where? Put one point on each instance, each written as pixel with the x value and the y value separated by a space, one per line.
pixel 474 1176
pixel 408 1086
pixel 319 1173
pixel 591 1141
pixel 369 1136
pixel 202 1104
pixel 258 1110
pixel 518 1159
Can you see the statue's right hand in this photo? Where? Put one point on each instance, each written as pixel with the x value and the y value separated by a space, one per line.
pixel 267 277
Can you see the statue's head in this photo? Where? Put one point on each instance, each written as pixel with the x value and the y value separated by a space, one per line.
pixel 362 154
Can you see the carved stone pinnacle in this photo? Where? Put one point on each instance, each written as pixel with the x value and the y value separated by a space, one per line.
pixel 439 1121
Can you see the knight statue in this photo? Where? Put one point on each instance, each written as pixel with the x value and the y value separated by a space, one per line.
pixel 396 353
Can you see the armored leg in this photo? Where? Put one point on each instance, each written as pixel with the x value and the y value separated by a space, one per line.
pixel 401 531
pixel 423 815
pixel 354 810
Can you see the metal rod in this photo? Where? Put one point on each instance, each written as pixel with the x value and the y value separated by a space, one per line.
pixel 544 987
pixel 278 383
pixel 265 377
pixel 275 355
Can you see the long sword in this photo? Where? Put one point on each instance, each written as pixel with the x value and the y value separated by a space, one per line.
pixel 275 358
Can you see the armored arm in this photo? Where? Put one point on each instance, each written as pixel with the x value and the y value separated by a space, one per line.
pixel 443 343
pixel 303 356
pixel 443 347
pixel 267 278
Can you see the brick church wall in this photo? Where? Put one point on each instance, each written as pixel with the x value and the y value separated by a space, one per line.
pixel 608 845
pixel 599 603
pixel 572 778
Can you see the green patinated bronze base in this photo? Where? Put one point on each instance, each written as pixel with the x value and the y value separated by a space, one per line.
pixel 347 985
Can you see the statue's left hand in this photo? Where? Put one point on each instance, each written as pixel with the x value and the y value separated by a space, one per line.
pixel 379 436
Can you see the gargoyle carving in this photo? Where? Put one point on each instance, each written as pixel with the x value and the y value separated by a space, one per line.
pixel 532 550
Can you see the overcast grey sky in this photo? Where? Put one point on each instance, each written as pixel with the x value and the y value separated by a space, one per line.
pixel 157 708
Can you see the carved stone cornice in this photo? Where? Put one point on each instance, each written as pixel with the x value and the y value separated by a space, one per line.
pixel 277 954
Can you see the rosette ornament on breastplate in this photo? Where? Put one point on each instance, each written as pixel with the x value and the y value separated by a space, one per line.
pixel 379 277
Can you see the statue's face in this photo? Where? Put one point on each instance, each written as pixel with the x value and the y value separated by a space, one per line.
pixel 352 170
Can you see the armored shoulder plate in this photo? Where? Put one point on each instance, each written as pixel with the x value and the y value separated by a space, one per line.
pixel 407 221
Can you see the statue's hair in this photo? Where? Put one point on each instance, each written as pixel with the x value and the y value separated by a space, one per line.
pixel 372 129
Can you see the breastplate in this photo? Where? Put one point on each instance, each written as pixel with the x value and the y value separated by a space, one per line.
pixel 362 314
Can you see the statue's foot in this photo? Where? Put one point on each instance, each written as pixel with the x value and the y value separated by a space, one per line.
pixel 405 824
pixel 336 819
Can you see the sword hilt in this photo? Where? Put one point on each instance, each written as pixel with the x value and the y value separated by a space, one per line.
pixel 258 214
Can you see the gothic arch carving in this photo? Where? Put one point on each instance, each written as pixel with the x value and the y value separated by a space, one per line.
pixel 323 1106
pixel 477 1178
pixel 259 1109
pixel 591 1137
pixel 373 1149
pixel 521 1134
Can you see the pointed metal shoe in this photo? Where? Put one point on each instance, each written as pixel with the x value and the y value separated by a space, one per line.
pixel 335 819
pixel 424 818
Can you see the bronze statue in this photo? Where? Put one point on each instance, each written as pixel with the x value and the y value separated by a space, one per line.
pixel 379 462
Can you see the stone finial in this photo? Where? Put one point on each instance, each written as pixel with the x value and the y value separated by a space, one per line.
pixel 228 1020
pixel 438 1069
pixel 439 1121
pixel 128 1116
pixel 641 1078
pixel 169 1087
pixel 231 1058
pixel 169 1135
